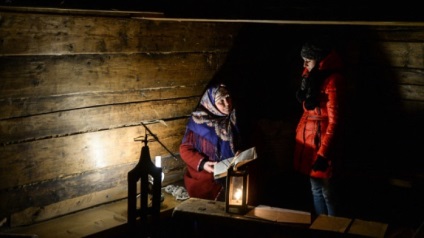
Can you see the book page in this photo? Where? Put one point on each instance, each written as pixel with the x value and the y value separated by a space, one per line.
pixel 244 157
pixel 220 169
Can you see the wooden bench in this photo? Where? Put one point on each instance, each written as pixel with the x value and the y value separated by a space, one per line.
pixel 206 217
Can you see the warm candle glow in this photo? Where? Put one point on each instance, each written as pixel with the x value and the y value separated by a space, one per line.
pixel 158 161
pixel 238 194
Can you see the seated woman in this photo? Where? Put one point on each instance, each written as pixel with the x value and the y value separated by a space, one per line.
pixel 211 135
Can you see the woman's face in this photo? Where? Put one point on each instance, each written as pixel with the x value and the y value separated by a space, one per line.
pixel 224 104
pixel 309 63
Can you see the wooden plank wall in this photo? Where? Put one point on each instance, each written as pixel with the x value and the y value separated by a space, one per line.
pixel 74 92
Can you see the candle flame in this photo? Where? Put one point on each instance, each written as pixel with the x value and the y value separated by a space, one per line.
pixel 238 194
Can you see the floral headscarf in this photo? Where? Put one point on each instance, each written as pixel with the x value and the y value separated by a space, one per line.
pixel 214 132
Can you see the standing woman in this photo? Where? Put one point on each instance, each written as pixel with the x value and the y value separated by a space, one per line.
pixel 211 136
pixel 319 94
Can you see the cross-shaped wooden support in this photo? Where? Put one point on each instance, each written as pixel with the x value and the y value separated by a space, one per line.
pixel 149 214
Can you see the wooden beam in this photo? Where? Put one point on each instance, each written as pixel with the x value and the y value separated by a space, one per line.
pixel 160 16
pixel 290 22
pixel 86 12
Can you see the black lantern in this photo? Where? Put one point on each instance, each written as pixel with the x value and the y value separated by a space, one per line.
pixel 236 191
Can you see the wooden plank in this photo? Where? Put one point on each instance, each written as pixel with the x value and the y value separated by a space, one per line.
pixel 42 201
pixel 41 160
pixel 391 54
pixel 234 225
pixel 37 214
pixel 35 34
pixel 73 11
pixel 194 206
pixel 278 214
pixel 98 219
pixel 53 76
pixel 411 92
pixel 394 82
pixel 368 228
pixel 38 195
pixel 189 36
pixel 293 22
pixel 331 223
pixel 398 33
pixel 92 119
pixel 19 107
pixel 402 54
pixel 409 76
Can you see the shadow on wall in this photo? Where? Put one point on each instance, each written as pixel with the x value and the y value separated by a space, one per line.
pixel 263 70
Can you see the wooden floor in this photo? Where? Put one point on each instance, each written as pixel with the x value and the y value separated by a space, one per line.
pixel 95 222
pixel 110 220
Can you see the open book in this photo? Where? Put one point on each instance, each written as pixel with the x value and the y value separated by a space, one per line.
pixel 220 169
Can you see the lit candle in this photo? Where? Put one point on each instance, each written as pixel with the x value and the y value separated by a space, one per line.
pixel 238 194
pixel 158 161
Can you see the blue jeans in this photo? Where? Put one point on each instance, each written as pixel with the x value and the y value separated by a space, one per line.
pixel 322 193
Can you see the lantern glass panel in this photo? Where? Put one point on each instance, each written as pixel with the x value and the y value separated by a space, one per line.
pixel 236 190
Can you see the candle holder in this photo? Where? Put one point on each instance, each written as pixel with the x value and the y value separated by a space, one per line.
pixel 237 189
pixel 147 177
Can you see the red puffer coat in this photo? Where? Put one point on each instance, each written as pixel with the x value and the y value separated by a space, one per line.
pixel 316 128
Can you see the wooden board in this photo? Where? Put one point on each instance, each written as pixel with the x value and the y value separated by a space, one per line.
pixel 331 223
pixel 55 34
pixel 90 221
pixel 278 214
pixel 69 156
pixel 368 228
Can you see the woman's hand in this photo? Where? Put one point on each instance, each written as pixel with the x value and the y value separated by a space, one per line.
pixel 209 166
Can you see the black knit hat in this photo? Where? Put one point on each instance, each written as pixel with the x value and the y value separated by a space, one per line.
pixel 315 50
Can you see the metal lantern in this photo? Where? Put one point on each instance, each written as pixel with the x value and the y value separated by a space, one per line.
pixel 236 191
